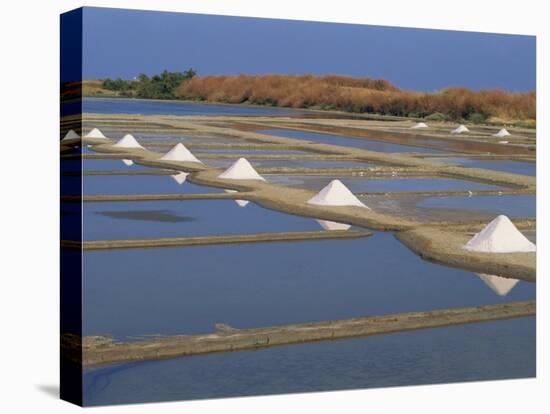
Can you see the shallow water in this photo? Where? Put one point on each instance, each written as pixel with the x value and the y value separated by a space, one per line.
pixel 484 351
pixel 378 185
pixel 516 167
pixel 152 219
pixel 451 208
pixel 187 290
pixel 72 165
pixel 282 163
pixel 156 138
pixel 348 141
pixel 134 184
pixel 152 107
pixel 510 205
pixel 248 151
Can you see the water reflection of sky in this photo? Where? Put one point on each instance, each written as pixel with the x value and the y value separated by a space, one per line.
pixel 248 151
pixel 151 107
pixel 188 290
pixel 516 167
pixel 134 184
pixel 186 218
pixel 348 141
pixel 474 352
pixel 282 163
pixel 69 165
pixel 154 137
pixel 510 205
pixel 363 184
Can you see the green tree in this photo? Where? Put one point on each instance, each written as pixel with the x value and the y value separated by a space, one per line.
pixel 162 86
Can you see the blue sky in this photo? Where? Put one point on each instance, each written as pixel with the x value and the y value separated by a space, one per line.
pixel 124 43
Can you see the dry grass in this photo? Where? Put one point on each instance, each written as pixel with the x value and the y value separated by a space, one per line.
pixel 360 95
pixel 95 87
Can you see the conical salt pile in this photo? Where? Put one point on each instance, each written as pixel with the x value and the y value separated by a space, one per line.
pixel 460 130
pixel 179 153
pixel 333 225
pixel 71 135
pixel 502 133
pixel 128 163
pixel 500 285
pixel 95 133
pixel 500 236
pixel 241 170
pixel 128 141
pixel 240 203
pixel 180 178
pixel 419 125
pixel 336 194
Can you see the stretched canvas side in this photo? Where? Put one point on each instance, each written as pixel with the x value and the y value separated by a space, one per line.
pixel 71 213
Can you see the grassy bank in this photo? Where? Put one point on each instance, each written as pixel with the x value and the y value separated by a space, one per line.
pixel 363 95
pixel 336 93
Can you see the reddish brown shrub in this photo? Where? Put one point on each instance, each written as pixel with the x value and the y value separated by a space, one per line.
pixel 359 95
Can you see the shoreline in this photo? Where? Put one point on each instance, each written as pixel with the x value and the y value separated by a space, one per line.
pixel 345 114
pixel 188 241
pixel 100 350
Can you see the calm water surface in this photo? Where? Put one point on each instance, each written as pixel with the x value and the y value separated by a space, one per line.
pixel 348 141
pixel 72 165
pixel 516 167
pixel 282 163
pixel 185 218
pixel 476 352
pixel 152 107
pixel 134 184
pixel 188 290
pixel 248 151
pixel 378 185
pixel 152 138
pixel 510 205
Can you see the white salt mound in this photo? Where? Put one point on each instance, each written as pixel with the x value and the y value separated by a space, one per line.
pixel 460 130
pixel 128 163
pixel 71 135
pixel 502 133
pixel 419 125
pixel 500 285
pixel 180 178
pixel 127 141
pixel 336 194
pixel 95 133
pixel 333 225
pixel 240 203
pixel 180 153
pixel 500 236
pixel 241 170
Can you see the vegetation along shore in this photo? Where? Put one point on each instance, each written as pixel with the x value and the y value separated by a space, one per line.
pixel 333 92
